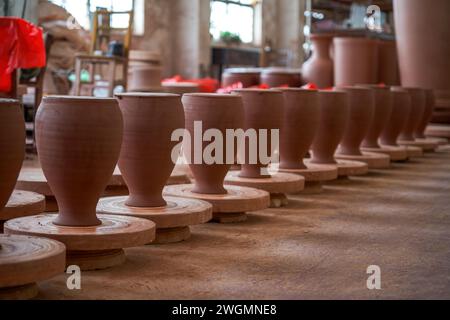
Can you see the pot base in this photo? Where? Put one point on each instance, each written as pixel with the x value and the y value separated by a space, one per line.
pixel 373 160
pixel 414 152
pixel 351 168
pixel 438 130
pixel 438 141
pixel 427 146
pixel 97 242
pixel 23 204
pixel 396 153
pixel 237 200
pixel 179 213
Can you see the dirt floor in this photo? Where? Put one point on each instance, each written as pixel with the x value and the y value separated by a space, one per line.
pixel 319 247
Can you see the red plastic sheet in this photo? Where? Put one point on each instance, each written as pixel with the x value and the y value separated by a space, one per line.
pixel 207 85
pixel 21 46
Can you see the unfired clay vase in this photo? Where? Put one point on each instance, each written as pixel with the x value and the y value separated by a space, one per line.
pixel 78 142
pixel 278 77
pixel 418 102
pixel 333 117
pixel 247 76
pixel 263 109
pixel 381 115
pixel 388 71
pixel 12 147
pixel 145 158
pixel 355 61
pixel 319 68
pixel 427 114
pixel 300 122
pixel 144 79
pixel 401 107
pixel 215 111
pixel 361 109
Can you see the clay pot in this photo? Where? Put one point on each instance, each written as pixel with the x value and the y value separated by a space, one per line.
pixel 278 77
pixel 355 61
pixel 381 115
pixel 361 104
pixel 12 147
pixel 388 72
pixel 215 111
pixel 180 87
pixel 333 106
pixel 78 141
pixel 247 76
pixel 149 119
pixel 418 102
pixel 263 109
pixel 300 122
pixel 144 79
pixel 401 107
pixel 427 114
pixel 319 68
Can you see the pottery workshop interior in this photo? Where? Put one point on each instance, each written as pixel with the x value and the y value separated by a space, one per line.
pixel 224 150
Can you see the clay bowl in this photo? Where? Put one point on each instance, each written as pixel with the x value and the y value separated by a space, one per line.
pixel 78 142
pixel 418 104
pixel 333 117
pixel 430 103
pixel 149 119
pixel 401 107
pixel 12 147
pixel 215 111
pixel 263 110
pixel 247 76
pixel 299 125
pixel 381 114
pixel 361 110
pixel 278 77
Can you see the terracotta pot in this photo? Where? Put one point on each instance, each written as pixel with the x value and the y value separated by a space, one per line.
pixel 78 142
pixel 355 61
pixel 248 76
pixel 263 109
pixel 215 111
pixel 361 104
pixel 145 158
pixel 333 106
pixel 319 68
pixel 381 115
pixel 12 147
pixel 427 114
pixel 401 107
pixel 388 72
pixel 278 77
pixel 300 122
pixel 144 79
pixel 418 102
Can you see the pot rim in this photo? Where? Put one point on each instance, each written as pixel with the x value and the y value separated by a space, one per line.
pixel 147 95
pixel 51 98
pixel 293 89
pixel 254 90
pixel 209 95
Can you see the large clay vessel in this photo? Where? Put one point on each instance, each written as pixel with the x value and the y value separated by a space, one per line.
pixel 333 117
pixel 361 109
pixel 427 114
pixel 418 102
pixel 388 71
pixel 263 110
pixel 401 107
pixel 381 115
pixel 319 68
pixel 78 142
pixel 279 77
pixel 12 147
pixel 145 158
pixel 247 76
pixel 215 111
pixel 147 79
pixel 355 61
pixel 300 123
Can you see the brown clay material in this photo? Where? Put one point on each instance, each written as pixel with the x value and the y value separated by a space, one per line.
pixel 435 130
pixel 23 204
pixel 278 77
pixel 401 108
pixel 430 102
pixel 247 76
pixel 180 87
pixel 418 103
pixel 146 78
pixel 388 70
pixel 351 168
pixel 318 69
pixel 373 159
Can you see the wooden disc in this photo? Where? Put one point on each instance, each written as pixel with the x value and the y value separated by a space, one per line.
pixel 437 141
pixel 115 232
pixel 229 217
pixel 238 199
pixel 179 212
pixel 172 235
pixel 426 146
pixel 374 160
pixel 277 183
pixel 25 260
pixel 351 168
pixel 438 130
pixel 96 260
pixel 414 152
pixel 23 204
pixel 314 172
pixel 397 153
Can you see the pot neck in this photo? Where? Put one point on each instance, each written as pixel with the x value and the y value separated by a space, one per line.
pixel 321 47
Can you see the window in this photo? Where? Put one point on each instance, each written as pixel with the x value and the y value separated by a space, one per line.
pixel 234 16
pixel 81 10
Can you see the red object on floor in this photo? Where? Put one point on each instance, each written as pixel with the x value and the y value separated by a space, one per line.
pixel 22 46
pixel 207 85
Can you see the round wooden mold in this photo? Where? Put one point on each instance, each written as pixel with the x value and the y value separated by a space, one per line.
pixel 439 141
pixel 438 130
pixel 25 260
pixel 396 153
pixel 374 160
pixel 172 221
pixel 90 248
pixel 23 204
pixel 351 168
pixel 427 146
pixel 278 184
pixel 227 208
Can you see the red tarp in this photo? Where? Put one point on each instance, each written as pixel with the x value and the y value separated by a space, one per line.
pixel 21 46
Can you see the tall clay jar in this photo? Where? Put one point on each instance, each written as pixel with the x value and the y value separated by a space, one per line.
pixel 388 70
pixel 355 61
pixel 427 114
pixel 319 68
pixel 361 109
pixel 78 142
pixel 145 158
pixel 263 110
pixel 333 115
pixel 12 146
pixel 299 126
pixel 211 111
pixel 418 103
pixel 401 107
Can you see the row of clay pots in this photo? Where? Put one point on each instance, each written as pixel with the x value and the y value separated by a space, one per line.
pixel 272 77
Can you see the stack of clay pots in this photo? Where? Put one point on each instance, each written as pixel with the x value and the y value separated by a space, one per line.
pixel 249 77
pixel 144 71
